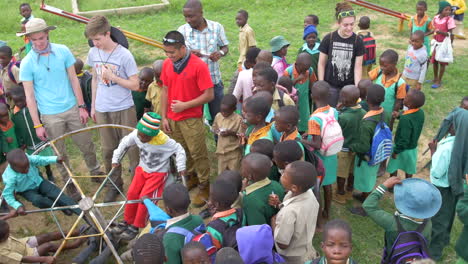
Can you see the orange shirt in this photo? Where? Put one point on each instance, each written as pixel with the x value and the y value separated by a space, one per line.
pixel 262 132
pixel 314 127
pixel 312 77
pixel 410 111
pixel 291 136
pixel 373 113
pixel 420 23
pixel 401 91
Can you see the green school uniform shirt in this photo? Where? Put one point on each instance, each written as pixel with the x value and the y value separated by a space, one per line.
pixel 257 211
pixel 26 134
pixel 462 212
pixel 274 174
pixel 387 220
pixel 9 132
pixel 409 129
pixel 139 99
pixel 349 119
pixel 173 243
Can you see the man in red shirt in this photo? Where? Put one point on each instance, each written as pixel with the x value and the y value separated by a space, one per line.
pixel 187 86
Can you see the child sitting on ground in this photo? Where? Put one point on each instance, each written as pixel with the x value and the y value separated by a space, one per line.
pixel 365 176
pixel 286 119
pixel 265 147
pixel 153 94
pixel 246 36
pixel 226 220
pixel 416 201
pixel 316 127
pixel 194 252
pixel 255 110
pixel 9 73
pixel 294 225
pixel 279 47
pixel 415 62
pixel 32 249
pixel 286 85
pixel 156 148
pixel 422 22
pixel 176 202
pixel 85 78
pixel 303 77
pixel 405 151
pixel 311 45
pixel 142 105
pixel 24 128
pixel 228 125
pixel 266 81
pixel 8 129
pixel 311 20
pixel 369 44
pixel 363 87
pixel 22 177
pixel 388 77
pixel 255 170
pixel 349 118
pixel 336 244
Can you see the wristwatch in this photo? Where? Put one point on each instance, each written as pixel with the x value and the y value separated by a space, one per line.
pixel 222 52
pixel 82 106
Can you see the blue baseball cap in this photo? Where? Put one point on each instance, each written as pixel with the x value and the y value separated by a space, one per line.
pixel 417 198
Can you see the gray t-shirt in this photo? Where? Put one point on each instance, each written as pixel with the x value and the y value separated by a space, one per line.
pixel 415 64
pixel 112 97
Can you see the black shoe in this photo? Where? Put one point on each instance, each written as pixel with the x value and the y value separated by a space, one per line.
pixel 130 233
pixel 67 212
pixel 359 197
pixel 119 228
pixel 358 211
pixel 205 213
pixel 111 195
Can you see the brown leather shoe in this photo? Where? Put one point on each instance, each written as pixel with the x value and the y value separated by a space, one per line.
pixel 202 196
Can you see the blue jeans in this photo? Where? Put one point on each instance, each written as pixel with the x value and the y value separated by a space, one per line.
pixel 215 104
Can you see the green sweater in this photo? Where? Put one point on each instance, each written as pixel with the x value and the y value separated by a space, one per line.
pixel 349 120
pixel 363 143
pixel 24 129
pixel 387 221
pixel 408 131
pixel 139 98
pixel 257 211
pixel 173 243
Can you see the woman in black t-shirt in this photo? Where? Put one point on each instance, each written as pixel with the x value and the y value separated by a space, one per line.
pixel 341 54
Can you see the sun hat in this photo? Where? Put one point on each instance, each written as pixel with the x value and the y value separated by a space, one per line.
pixel 417 198
pixel 278 43
pixel 35 25
pixel 443 5
pixel 309 30
pixel 149 124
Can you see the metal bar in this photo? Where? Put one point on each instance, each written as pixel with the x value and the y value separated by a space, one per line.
pixel 380 9
pixel 84 236
pixel 106 238
pixel 64 242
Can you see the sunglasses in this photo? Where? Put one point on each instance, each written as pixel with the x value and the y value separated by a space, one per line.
pixel 171 40
pixel 347 14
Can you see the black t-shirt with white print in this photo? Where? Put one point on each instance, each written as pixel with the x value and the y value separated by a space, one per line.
pixel 342 53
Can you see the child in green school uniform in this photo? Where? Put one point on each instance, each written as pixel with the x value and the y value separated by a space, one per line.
pixel 405 151
pixel 8 128
pixel 365 176
pixel 303 77
pixel 142 105
pixel 176 202
pixel 255 170
pixel 421 21
pixel 349 119
pixel 265 147
pixel 311 45
pixel 286 121
pixel 416 201
pixel 255 110
pixel 363 86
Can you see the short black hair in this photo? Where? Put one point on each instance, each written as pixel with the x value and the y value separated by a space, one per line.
pixel 194 4
pixel 174 38
pixel 286 82
pixel 263 146
pixel 4 229
pixel 17 90
pixel 269 74
pixel 465 99
pixel 252 54
pixel 261 66
pixel 176 197
pixel 321 89
pixel 224 193
pixel 192 245
pixel 391 55
pixel 25 4
pixel 417 97
pixel 303 174
pixel 364 22
pixel 258 106
pixel 147 70
pixel 419 33
pixel 78 65
pixel 337 224
pixel 259 163
pixel 229 100
pixel 149 249
pixel 244 13
pixel 6 50
pixel 233 177
pixel 375 94
pixel 228 255
pixel 290 113
pixel 315 19
pixel 15 156
pixel 422 3
pixel 288 151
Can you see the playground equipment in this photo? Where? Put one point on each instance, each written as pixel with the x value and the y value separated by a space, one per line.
pixel 384 10
pixel 85 20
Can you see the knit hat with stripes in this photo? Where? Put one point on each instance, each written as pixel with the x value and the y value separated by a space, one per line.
pixel 149 124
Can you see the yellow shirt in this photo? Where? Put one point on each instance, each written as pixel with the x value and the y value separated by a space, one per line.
pixel 13 250
pixel 460 4
pixel 154 96
pixel 246 40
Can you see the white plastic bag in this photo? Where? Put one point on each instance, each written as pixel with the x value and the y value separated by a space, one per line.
pixel 444 51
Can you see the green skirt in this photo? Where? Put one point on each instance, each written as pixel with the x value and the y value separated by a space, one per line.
pixel 365 176
pixel 330 163
pixel 405 161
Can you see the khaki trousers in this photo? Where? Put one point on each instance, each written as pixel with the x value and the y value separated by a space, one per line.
pixel 59 124
pixel 110 139
pixel 229 161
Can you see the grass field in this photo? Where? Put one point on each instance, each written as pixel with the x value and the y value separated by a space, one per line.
pixel 268 18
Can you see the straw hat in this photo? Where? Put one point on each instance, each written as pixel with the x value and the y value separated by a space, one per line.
pixel 35 25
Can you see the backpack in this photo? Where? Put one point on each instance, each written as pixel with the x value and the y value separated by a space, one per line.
pixel 370 49
pixel 332 136
pixel 10 72
pixel 382 145
pixel 85 84
pixel 228 229
pixel 408 246
pixel 198 234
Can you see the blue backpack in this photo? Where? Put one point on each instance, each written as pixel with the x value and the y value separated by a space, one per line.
pixel 198 234
pixel 382 144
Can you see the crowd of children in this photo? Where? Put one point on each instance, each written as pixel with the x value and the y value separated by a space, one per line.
pixel 285 134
